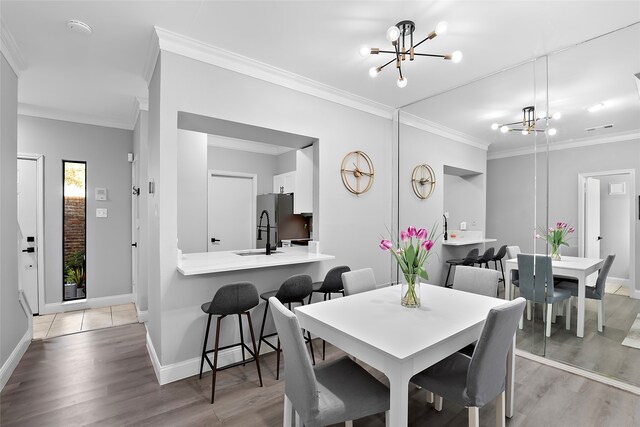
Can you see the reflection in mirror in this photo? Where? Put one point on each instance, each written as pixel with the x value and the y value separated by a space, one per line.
pixel 228 179
pixel 592 169
pixel 74 212
pixel 536 181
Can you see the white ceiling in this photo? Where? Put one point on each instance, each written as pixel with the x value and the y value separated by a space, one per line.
pixel 96 79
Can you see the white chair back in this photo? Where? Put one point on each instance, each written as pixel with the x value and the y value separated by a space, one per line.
pixel 358 281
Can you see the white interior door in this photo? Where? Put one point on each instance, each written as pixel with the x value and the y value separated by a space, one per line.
pixel 231 212
pixel 27 221
pixel 135 227
pixel 592 218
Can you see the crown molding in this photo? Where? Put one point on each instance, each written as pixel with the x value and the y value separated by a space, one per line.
pixel 431 127
pixel 152 57
pixel 74 117
pixel 194 49
pixel 10 50
pixel 565 145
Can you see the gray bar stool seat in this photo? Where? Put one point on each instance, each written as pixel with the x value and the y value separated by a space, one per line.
pixel 296 289
pixel 332 284
pixel 238 299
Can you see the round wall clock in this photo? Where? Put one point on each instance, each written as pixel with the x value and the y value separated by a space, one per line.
pixel 357 172
pixel 423 181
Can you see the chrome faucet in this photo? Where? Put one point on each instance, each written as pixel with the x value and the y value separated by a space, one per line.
pixel 268 248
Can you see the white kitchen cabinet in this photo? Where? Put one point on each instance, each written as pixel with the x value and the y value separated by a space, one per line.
pixel 303 197
pixel 285 183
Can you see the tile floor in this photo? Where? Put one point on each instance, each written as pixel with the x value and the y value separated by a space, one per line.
pixel 71 322
pixel 616 288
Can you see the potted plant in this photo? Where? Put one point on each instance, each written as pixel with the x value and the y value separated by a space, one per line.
pixel 556 237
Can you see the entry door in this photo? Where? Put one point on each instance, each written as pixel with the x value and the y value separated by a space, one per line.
pixel 592 218
pixel 135 227
pixel 27 221
pixel 232 211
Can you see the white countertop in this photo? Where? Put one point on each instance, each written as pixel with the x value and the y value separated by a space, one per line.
pixel 217 262
pixel 461 241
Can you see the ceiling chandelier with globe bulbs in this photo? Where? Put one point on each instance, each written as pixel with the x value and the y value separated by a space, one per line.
pixel 398 35
pixel 528 123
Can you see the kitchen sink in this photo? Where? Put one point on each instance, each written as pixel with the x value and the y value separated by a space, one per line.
pixel 256 253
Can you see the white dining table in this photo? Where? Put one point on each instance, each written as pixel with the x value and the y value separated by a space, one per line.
pixel 570 266
pixel 398 341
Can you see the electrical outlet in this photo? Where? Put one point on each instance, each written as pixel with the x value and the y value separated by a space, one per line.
pixel 102 212
pixel 463 226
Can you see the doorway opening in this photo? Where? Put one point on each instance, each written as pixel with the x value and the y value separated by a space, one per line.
pixel 606 222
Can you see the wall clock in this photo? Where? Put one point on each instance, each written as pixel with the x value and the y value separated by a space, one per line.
pixel 423 181
pixel 357 172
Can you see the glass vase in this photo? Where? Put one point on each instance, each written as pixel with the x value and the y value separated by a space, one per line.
pixel 555 253
pixel 410 291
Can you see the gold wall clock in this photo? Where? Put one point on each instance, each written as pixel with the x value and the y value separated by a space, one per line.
pixel 423 181
pixel 357 172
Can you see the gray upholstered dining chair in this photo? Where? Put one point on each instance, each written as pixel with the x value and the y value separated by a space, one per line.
pixel 477 380
pixel 334 392
pixel 536 285
pixel 357 281
pixel 592 292
pixel 476 280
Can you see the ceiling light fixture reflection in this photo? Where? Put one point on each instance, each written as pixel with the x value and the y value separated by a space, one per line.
pixel 398 35
pixel 528 123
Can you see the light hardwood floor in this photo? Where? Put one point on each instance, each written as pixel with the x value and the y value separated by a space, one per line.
pixel 600 352
pixel 105 378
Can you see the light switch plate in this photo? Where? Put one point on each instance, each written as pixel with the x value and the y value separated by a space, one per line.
pixel 100 193
pixel 101 212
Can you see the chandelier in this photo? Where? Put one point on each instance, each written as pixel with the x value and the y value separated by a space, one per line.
pixel 528 123
pixel 398 35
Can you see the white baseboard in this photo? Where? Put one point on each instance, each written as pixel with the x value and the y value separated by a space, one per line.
pixel 60 307
pixel 13 360
pixel 143 316
pixel 188 368
pixel 618 281
pixel 579 371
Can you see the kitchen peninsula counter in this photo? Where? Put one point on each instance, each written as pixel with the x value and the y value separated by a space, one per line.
pixel 218 262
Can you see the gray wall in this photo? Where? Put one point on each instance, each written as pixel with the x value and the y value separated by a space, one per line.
pixel 614 225
pixel 351 233
pixel 13 322
pixel 141 153
pixel 108 239
pixel 264 165
pixel 192 191
pixel 417 147
pixel 286 162
pixel 462 197
pixel 510 195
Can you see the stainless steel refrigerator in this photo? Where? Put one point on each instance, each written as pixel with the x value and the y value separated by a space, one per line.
pixel 285 225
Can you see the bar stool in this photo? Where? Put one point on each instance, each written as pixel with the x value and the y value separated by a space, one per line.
pixel 486 257
pixel 498 258
pixel 470 259
pixel 294 290
pixel 236 298
pixel 332 284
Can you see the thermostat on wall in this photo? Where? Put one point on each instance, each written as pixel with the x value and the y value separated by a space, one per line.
pixel 101 193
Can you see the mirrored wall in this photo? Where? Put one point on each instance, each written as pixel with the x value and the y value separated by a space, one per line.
pixel 560 171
